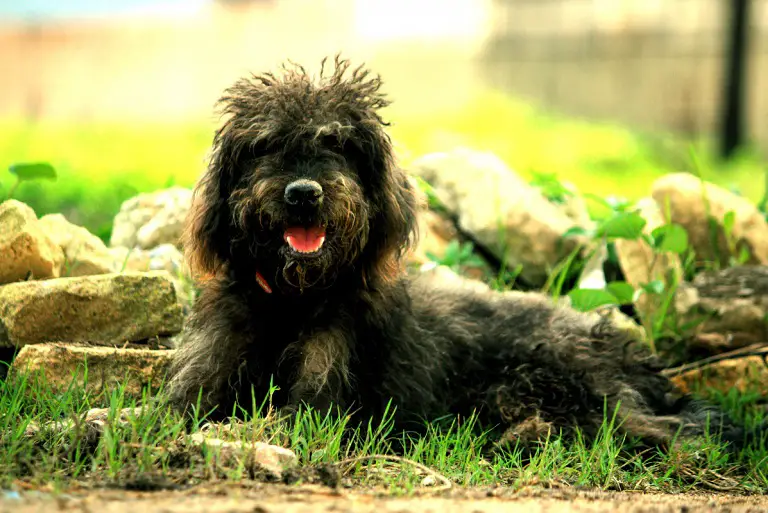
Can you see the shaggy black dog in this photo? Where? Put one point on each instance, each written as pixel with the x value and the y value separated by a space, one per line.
pixel 300 224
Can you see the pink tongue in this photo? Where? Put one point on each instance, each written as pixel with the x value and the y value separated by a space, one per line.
pixel 303 239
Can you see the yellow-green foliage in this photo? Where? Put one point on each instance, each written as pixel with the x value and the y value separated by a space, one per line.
pixel 101 164
pixel 601 158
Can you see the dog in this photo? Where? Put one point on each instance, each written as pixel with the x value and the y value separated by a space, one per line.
pixel 300 225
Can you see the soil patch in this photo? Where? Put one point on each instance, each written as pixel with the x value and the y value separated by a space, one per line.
pixel 266 498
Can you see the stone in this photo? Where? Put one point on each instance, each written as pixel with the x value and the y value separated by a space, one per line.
pixel 152 219
pixel 499 210
pixel 593 274
pixel 640 265
pixel 444 275
pixel 689 202
pixel 575 207
pixel 435 234
pixel 85 253
pixel 166 257
pixel 64 364
pixel 105 309
pixel 255 456
pixel 25 249
pixel 611 313
pixel 748 374
pixel 93 422
pixel 129 259
pixel 729 308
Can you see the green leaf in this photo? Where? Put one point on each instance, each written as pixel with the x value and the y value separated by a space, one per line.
pixel 585 300
pixel 648 238
pixel 597 199
pixel 744 255
pixel 452 251
pixel 613 255
pixel 36 171
pixel 466 250
pixel 670 238
pixel 729 221
pixel 618 203
pixel 624 225
pixel 576 230
pixel 622 291
pixel 654 287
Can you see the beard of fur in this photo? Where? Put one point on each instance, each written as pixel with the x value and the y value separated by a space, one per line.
pixel 258 212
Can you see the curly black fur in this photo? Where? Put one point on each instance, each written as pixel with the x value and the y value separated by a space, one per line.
pixel 345 327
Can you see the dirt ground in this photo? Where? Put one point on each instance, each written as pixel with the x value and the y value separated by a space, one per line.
pixel 280 499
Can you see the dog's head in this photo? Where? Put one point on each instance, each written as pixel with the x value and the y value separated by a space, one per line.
pixel 302 186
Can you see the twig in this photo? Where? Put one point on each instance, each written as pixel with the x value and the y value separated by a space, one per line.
pixel 760 349
pixel 446 482
pixel 710 484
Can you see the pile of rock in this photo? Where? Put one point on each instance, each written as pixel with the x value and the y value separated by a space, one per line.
pixel 726 310
pixel 729 310
pixel 516 224
pixel 67 300
pixel 67 286
pixel 497 209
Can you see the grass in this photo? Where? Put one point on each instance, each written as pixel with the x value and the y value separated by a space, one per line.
pixel 151 450
pixel 102 164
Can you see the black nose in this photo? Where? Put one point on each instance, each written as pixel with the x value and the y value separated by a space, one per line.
pixel 304 193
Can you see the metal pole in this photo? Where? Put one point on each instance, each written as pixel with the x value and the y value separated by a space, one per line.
pixel 733 116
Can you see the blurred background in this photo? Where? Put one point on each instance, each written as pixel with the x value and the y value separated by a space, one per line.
pixel 608 94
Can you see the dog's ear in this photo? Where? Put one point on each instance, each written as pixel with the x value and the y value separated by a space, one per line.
pixel 393 227
pixel 207 229
pixel 243 137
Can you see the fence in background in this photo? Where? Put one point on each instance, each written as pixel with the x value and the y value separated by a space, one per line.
pixel 655 64
pixel 649 63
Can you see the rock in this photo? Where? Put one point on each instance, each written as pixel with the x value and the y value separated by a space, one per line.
pixel 640 265
pixel 621 321
pixel 509 217
pixel 25 249
pixel 165 257
pixel 435 234
pixel 85 253
pixel 593 274
pixel 732 303
pixel 152 219
pixel 429 481
pixel 743 374
pixel 130 259
pixel 685 194
pixel 106 309
pixel 715 343
pixel 574 207
pixel 107 367
pixel 93 421
pixel 444 275
pixel 255 456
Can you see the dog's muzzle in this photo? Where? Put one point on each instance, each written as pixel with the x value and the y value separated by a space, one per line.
pixel 303 195
pixel 304 233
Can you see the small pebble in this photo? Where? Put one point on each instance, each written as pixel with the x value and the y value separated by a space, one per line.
pixel 428 481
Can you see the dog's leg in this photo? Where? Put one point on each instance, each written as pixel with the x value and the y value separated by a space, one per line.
pixel 323 374
pixel 206 368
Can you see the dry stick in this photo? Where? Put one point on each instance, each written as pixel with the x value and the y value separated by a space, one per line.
pixel 759 349
pixel 437 475
pixel 711 485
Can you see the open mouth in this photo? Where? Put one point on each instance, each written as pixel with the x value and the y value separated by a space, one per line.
pixel 305 240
